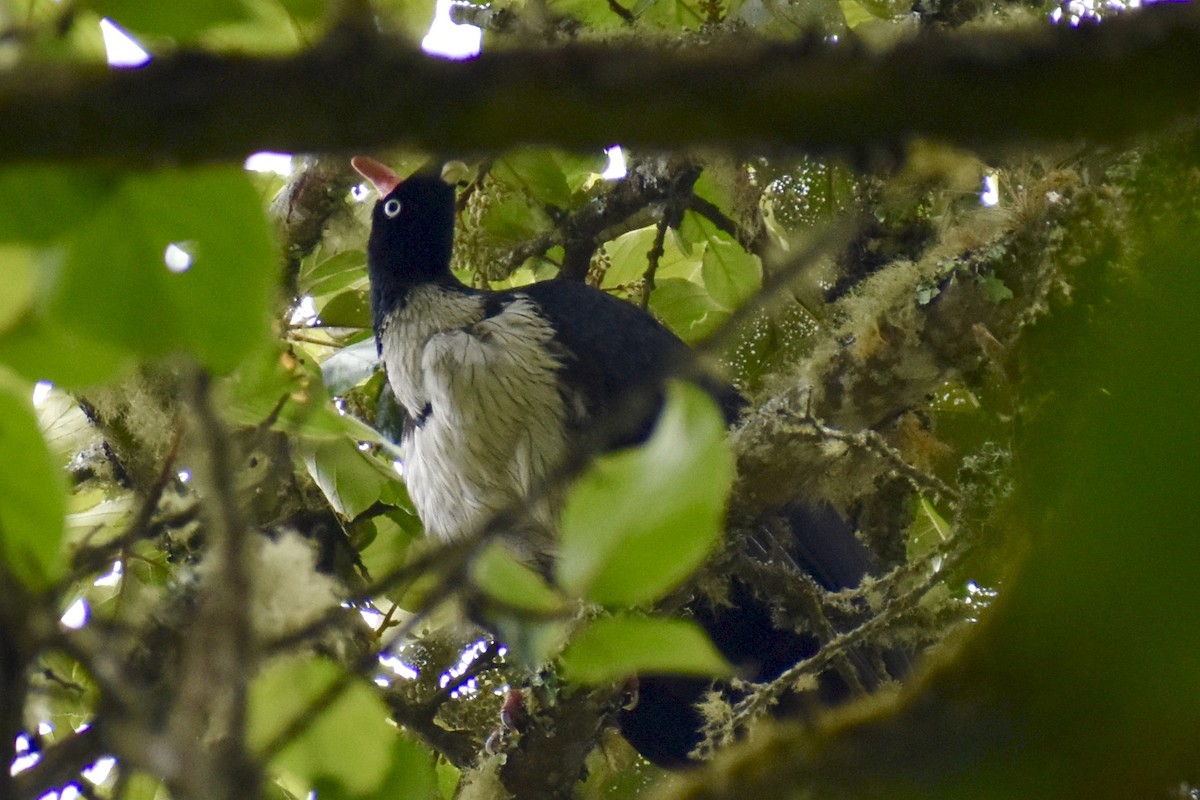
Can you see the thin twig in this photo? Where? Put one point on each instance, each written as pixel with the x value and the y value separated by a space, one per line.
pixel 870 440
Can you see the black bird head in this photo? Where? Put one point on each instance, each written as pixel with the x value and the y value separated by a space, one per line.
pixel 412 234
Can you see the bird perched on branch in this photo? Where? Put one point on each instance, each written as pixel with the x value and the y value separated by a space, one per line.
pixel 500 388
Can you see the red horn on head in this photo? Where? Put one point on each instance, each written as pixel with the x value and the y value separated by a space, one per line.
pixel 380 175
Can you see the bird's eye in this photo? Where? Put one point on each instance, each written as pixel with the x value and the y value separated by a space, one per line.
pixel 391 208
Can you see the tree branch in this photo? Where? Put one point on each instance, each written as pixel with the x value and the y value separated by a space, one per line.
pixel 357 90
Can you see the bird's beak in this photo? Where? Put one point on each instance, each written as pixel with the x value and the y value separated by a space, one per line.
pixel 380 175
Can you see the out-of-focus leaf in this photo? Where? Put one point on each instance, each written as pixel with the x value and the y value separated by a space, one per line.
pixel 350 741
pixel 596 14
pixel 140 786
pixel 184 19
pixel 640 521
pixel 39 349
pixel 855 13
pixel 41 202
pixel 20 282
pixel 305 9
pixel 117 290
pixel 512 583
pixel 32 491
pixel 612 648
pixel 412 776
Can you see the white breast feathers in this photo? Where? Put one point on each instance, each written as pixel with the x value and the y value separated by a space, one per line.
pixel 490 417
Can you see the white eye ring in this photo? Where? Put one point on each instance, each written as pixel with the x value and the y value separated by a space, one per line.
pixel 391 208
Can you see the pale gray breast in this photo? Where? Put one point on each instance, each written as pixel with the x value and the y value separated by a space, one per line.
pixel 490 411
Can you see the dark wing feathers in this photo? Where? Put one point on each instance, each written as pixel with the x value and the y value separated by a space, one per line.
pixel 618 357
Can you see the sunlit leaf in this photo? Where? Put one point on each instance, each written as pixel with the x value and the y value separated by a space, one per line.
pixel 641 520
pixel 32 490
pixel 628 256
pixel 612 648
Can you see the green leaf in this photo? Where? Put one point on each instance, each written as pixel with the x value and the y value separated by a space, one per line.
pixel 39 349
pixel 350 309
pixel 181 19
pixel 32 490
pixel 350 741
pixel 20 283
pixel 995 289
pixel 612 648
pixel 449 778
pixel 731 275
pixel 592 13
pixel 716 185
pixel 513 219
pixel 394 533
pixel 42 202
pixel 141 786
pixel 855 13
pixel 335 273
pixel 629 253
pixel 537 171
pixel 117 291
pixel 639 521
pixel 928 529
pixel 412 776
pixel 627 257
pixel 350 366
pixel 304 8
pixel 498 573
pixel 686 308
pixel 350 480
